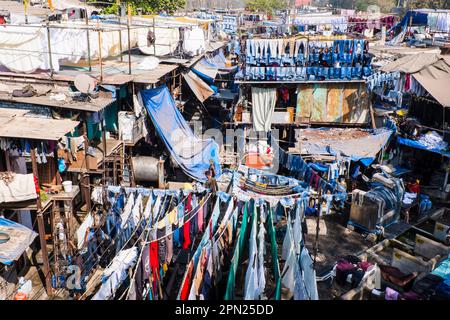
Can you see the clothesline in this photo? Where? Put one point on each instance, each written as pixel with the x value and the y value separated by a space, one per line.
pixel 134 232
pixel 179 227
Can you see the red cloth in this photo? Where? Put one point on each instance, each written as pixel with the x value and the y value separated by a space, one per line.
pixel 414 188
pixel 187 225
pixel 154 262
pixel 187 284
pixel 36 184
pixel 186 235
pixel 407 82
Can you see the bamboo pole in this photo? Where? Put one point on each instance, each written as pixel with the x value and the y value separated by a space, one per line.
pixel 100 50
pixel 88 40
pixel 120 30
pixel 49 47
pixel 129 42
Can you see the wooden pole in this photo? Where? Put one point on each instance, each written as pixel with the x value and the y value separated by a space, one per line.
pixel 49 48
pixel 120 30
pixel 41 228
pixel 88 40
pixel 129 42
pixel 104 151
pixel 35 173
pixel 316 241
pixel 25 9
pixel 154 34
pixel 100 50
pixel 85 178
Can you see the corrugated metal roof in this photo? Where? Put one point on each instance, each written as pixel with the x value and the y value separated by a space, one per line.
pixel 13 124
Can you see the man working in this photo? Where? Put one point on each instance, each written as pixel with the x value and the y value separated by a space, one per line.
pixel 211 183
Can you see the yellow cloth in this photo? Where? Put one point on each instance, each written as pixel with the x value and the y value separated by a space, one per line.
pixel 173 216
pixel 161 224
pixel 402 112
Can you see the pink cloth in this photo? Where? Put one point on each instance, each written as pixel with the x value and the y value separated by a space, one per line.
pixel 391 294
pixel 200 219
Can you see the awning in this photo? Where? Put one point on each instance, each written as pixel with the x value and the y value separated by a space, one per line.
pixel 201 90
pixel 19 126
pixel 415 144
pixel 206 70
pixel 20 238
pixel 435 79
pixel 412 63
pixel 431 70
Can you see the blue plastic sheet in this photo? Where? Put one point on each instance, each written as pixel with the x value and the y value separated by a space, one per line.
pixel 417 145
pixel 191 153
pixel 20 239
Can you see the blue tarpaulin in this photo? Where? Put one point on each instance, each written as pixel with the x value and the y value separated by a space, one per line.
pixel 20 238
pixel 417 145
pixel 190 152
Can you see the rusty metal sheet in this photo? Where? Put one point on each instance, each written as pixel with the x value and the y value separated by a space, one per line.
pixel 334 103
pixel 348 102
pixel 304 102
pixel 318 111
pixel 361 110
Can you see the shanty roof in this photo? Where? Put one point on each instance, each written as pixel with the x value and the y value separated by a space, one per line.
pixel 15 124
pixel 45 96
pixel 432 71
pixel 17 7
pixel 114 71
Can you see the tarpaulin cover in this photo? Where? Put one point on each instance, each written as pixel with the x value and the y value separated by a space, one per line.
pixel 201 89
pixel 191 153
pixel 418 18
pixel 220 62
pixel 417 145
pixel 20 238
pixel 435 79
pixel 205 70
pixel 363 149
pixel 412 63
pixel 431 70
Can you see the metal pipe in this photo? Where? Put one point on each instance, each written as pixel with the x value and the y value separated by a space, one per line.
pixel 120 32
pixel 88 41
pixel 49 49
pixel 154 34
pixel 100 51
pixel 129 42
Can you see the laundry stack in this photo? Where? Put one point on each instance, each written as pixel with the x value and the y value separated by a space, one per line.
pixel 304 60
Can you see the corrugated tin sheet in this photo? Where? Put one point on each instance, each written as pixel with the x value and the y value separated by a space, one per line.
pixel 332 103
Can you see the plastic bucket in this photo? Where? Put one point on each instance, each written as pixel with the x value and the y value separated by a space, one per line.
pixel 20 296
pixel 67 185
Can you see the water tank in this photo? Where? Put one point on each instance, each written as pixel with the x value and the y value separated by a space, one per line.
pixel 145 168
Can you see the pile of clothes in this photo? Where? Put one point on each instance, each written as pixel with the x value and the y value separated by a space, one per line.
pixel 433 140
pixel 434 286
pixel 351 268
